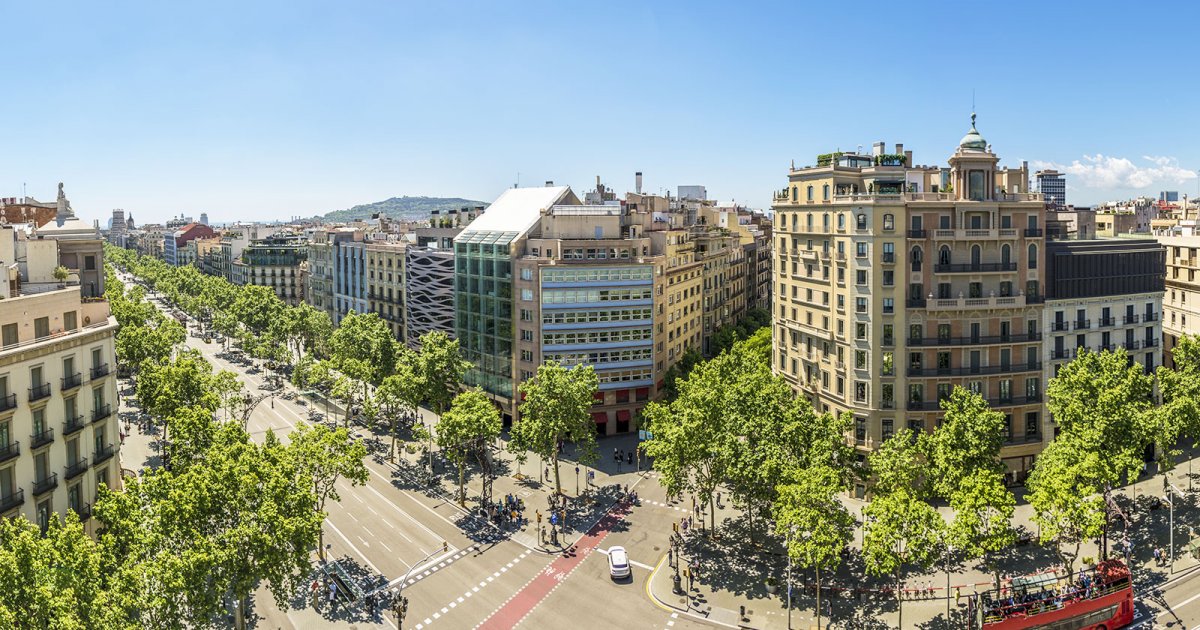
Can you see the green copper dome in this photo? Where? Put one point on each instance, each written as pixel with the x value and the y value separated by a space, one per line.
pixel 973 141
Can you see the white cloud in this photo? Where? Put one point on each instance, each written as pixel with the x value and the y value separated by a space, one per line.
pixel 1106 171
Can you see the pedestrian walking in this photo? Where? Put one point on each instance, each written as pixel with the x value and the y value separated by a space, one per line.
pixel 1157 557
pixel 332 596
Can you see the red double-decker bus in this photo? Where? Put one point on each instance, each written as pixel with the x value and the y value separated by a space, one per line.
pixel 1101 599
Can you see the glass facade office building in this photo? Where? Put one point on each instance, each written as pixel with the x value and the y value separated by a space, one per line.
pixel 484 308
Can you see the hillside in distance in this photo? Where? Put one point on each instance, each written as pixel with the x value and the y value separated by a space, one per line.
pixel 410 208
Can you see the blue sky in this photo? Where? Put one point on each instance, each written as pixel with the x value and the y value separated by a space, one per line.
pixel 256 110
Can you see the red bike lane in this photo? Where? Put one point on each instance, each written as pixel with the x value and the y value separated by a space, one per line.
pixel 536 590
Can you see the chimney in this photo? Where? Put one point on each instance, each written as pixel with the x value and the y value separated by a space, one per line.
pixel 907 158
pixel 549 183
pixel 877 149
pixel 899 149
pixel 637 182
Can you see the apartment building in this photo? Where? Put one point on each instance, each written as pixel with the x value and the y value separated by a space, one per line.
pixel 274 262
pixel 1102 295
pixel 332 272
pixel 174 249
pixel 59 437
pixel 1181 300
pixel 1053 186
pixel 897 282
pixel 385 282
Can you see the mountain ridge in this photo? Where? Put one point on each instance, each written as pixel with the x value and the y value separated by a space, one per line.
pixel 410 208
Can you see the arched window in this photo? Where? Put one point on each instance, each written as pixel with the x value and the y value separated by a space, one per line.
pixel 809 220
pixel 1032 256
pixel 810 197
pixel 976 255
pixel 825 192
pixel 944 255
pixel 889 222
pixel 862 222
pixel 795 220
pixel 794 194
pixel 915 256
pixel 1005 254
pixel 841 221
pixel 825 221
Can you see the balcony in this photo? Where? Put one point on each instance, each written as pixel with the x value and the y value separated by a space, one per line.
pixel 976 340
pixel 1033 232
pixel 889 258
pixel 1105 322
pixel 45 484
pixel 1062 353
pixel 38 440
pixel 1060 326
pixel 1083 324
pixel 1150 343
pixel 72 425
pixel 101 412
pixel 981 370
pixel 887 404
pixel 103 454
pixel 918 234
pixel 9 451
pixel 8 402
pixel 100 371
pixel 969 304
pixel 976 268
pixel 12 500
pixel 78 468
pixel 1131 319
pixel 1014 440
pixel 1151 317
pixel 915 303
pixel 71 381
pixel 973 234
pixel 920 405
pixel 38 392
pixel 84 511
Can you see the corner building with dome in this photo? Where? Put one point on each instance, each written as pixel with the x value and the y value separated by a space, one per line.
pixel 896 281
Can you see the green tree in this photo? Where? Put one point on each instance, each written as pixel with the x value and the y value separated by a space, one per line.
pixel 230 390
pixel 193 432
pixel 400 396
pixel 557 408
pixel 964 464
pixel 257 307
pixel 364 347
pixel 322 457
pixel 57 580
pixel 165 388
pixel 1066 500
pixel 816 525
pixel 469 426
pixel 136 344
pixel 1179 414
pixel 441 369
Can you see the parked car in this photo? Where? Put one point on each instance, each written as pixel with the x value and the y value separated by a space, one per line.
pixel 618 563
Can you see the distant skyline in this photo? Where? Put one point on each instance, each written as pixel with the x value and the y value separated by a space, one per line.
pixel 267 110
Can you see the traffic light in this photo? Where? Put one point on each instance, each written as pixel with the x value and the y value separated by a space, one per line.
pixel 675 527
pixel 539 515
pixel 445 547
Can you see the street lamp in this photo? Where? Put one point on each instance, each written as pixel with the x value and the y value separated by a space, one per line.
pixel 1167 487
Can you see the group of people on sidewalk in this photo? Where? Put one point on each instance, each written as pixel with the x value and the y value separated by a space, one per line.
pixel 511 510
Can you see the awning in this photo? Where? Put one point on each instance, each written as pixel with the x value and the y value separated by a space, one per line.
pixel 623 415
pixel 600 417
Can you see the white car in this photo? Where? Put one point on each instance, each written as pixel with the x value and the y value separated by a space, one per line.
pixel 618 562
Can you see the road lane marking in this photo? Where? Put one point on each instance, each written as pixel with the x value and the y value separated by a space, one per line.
pixel 631 561
pixel 353 548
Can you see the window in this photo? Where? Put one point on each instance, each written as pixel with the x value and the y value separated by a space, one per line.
pixel 915 257
pixel 9 334
pixel 860 277
pixel 889 222
pixel 526 335
pixel 860 359
pixel 69 320
pixel 889 278
pixel 1031 424
pixel 860 391
pixel 527 274
pixel 860 250
pixel 41 327
pixel 860 305
pixel 810 198
pixel 888 429
pixel 841 221
pixel 889 305
pixel 944 255
pixel 825 196
pixel 860 330
pixel 861 223
pixel 1032 256
pixel 1032 387
pixel 527 295
pixel 888 364
pixel 526 355
pixel 975 289
pixel 526 315
pixel 887 334
pixel 89 263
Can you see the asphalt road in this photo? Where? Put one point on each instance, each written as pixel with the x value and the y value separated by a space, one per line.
pixel 386 530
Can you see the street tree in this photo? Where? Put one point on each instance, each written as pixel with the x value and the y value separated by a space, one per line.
pixel 963 456
pixel 901 530
pixel 230 390
pixel 1179 415
pixel 690 434
pixel 323 456
pixel 1067 501
pixel 364 347
pixel 556 409
pixel 440 367
pixel 470 425
pixel 399 396
pixel 54 580
pixel 257 307
pixel 814 522
pixel 185 381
